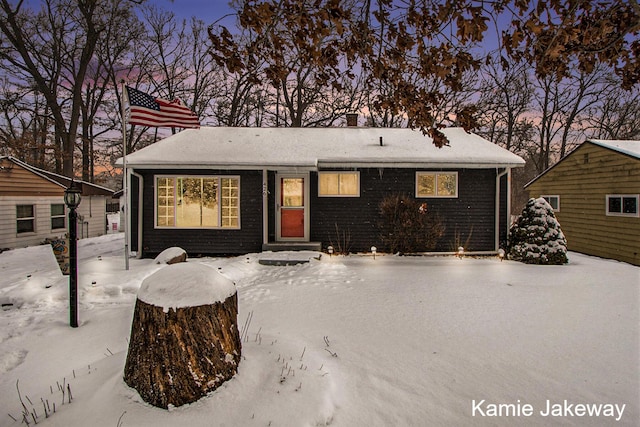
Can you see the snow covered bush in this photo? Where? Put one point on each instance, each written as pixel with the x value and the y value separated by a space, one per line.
pixel 535 237
pixel 408 226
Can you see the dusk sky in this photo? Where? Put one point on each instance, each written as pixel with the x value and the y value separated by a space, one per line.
pixel 207 10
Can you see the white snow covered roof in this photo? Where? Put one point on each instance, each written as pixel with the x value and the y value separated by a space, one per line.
pixel 631 148
pixel 313 148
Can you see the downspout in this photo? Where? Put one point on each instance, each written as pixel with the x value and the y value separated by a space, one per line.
pixel 265 207
pixel 140 187
pixel 507 171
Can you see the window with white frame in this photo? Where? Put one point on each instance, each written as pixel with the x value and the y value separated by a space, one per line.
pixel 554 202
pixel 436 184
pixel 57 216
pixel 25 219
pixel 197 202
pixel 622 205
pixel 339 184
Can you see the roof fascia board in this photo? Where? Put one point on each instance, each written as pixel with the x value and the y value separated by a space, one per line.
pixel 413 164
pixel 35 171
pixel 49 176
pixel 604 144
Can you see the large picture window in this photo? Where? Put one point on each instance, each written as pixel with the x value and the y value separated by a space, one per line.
pixel 436 184
pixel 25 219
pixel 198 202
pixel 339 184
pixel 622 205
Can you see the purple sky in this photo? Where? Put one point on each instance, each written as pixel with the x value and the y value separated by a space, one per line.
pixel 207 10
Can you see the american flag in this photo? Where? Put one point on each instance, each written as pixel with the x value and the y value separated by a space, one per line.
pixel 157 112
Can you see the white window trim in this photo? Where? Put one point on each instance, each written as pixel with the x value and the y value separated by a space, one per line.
pixel 339 172
pixel 545 196
pixel 436 173
pixel 621 196
pixel 219 227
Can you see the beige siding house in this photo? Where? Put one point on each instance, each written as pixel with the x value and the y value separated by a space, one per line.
pixel 594 191
pixel 32 205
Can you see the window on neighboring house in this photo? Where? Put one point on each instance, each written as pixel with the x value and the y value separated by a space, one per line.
pixel 622 205
pixel 339 184
pixel 26 220
pixel 554 202
pixel 436 184
pixel 198 202
pixel 57 216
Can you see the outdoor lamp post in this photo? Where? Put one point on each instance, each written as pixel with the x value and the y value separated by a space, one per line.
pixel 72 199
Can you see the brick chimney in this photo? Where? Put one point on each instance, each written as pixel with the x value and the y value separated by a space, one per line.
pixel 352 119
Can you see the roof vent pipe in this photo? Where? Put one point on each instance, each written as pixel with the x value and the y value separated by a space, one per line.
pixel 381 144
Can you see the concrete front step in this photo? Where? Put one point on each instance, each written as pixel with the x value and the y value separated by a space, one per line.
pixel 292 246
pixel 288 258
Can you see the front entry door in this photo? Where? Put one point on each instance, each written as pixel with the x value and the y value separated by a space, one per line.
pixel 291 207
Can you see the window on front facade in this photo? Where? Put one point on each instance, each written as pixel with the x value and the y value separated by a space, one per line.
pixel 622 205
pixel 338 184
pixel 198 202
pixel 554 202
pixel 57 216
pixel 25 219
pixel 436 184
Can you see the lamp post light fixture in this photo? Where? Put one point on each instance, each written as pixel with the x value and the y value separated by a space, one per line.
pixel 373 251
pixel 72 199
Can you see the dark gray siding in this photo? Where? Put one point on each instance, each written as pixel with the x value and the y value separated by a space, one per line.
pixel 505 216
pixel 469 219
pixel 134 190
pixel 206 241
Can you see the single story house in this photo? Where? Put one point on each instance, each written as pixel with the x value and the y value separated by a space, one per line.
pixel 32 205
pixel 595 190
pixel 220 190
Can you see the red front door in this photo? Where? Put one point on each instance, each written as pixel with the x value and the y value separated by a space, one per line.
pixel 292 208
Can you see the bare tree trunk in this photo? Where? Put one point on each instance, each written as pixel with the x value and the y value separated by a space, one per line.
pixel 177 357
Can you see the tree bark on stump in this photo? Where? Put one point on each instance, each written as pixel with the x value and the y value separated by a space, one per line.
pixel 177 356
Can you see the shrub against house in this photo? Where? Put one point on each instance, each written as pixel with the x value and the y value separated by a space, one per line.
pixel 536 236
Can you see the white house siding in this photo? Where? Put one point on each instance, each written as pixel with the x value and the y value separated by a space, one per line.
pixel 91 220
pixel 9 238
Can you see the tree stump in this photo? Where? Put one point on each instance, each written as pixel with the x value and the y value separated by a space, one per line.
pixel 184 337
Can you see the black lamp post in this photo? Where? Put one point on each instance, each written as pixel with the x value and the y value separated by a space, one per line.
pixel 72 199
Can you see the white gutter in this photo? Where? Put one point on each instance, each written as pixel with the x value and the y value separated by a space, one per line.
pixel 265 207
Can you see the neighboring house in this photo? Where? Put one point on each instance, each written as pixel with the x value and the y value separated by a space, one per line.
pixel 240 190
pixel 32 205
pixel 594 191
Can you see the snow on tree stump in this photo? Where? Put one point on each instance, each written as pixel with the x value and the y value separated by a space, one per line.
pixel 184 336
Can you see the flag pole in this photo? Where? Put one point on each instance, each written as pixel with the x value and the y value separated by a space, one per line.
pixel 125 190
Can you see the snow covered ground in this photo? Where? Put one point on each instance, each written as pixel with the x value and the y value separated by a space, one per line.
pixel 344 341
